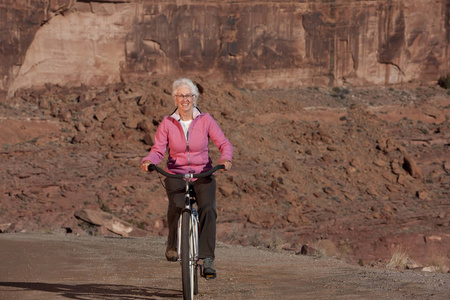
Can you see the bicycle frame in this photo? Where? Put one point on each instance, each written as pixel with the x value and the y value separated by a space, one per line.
pixel 188 205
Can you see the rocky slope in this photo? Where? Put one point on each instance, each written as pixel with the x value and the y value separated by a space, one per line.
pixel 356 173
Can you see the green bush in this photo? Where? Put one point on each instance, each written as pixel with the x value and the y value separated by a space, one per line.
pixel 338 92
pixel 444 81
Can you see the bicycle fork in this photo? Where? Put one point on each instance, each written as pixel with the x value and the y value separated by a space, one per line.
pixel 193 232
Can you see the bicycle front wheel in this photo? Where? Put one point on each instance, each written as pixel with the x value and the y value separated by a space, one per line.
pixel 187 256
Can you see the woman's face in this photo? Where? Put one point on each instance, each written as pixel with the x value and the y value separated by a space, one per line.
pixel 184 99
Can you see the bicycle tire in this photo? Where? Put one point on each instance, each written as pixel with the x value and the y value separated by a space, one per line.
pixel 194 243
pixel 196 280
pixel 186 253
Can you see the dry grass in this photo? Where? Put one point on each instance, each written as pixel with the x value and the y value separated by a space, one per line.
pixel 438 264
pixel 326 248
pixel 276 241
pixel 398 260
pixel 255 238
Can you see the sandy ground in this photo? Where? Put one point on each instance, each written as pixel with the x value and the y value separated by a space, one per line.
pixel 50 266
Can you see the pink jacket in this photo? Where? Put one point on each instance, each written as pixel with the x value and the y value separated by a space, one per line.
pixel 191 155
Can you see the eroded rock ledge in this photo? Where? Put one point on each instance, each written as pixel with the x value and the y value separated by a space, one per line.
pixel 262 44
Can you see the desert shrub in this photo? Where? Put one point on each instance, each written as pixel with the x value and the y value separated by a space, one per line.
pixel 255 238
pixel 276 241
pixel 89 228
pixel 398 260
pixel 444 81
pixel 338 92
pixel 104 207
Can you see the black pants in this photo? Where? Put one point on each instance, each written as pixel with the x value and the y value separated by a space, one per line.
pixel 205 189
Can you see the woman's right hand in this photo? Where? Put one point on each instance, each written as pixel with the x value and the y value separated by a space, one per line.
pixel 145 164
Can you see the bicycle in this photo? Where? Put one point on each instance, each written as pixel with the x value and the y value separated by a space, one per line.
pixel 187 237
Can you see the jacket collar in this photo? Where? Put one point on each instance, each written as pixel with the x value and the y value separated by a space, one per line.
pixel 177 117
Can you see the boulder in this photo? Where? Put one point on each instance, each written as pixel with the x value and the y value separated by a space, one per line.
pixel 411 167
pixel 110 222
pixel 6 227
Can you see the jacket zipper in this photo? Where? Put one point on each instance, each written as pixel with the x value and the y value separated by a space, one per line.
pixel 187 149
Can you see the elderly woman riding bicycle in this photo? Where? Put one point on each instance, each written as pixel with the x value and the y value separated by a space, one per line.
pixel 186 133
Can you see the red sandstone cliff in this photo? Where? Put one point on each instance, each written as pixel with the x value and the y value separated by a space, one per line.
pixel 254 44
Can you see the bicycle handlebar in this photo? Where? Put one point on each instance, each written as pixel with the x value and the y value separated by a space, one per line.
pixel 152 167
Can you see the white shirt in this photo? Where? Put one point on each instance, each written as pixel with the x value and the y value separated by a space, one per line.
pixel 185 125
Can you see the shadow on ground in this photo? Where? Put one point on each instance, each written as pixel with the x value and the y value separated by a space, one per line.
pixel 96 291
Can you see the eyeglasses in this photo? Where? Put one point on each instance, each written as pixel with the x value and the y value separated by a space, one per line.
pixel 188 96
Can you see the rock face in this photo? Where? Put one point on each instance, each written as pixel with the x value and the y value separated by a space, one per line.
pixel 259 45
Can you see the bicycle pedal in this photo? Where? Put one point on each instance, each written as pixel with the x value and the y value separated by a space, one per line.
pixel 209 276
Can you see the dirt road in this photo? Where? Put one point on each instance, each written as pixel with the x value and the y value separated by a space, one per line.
pixel 44 266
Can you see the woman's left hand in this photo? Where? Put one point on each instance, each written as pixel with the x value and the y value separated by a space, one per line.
pixel 226 163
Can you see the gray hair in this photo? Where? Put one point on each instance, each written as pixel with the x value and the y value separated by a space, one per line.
pixel 188 83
